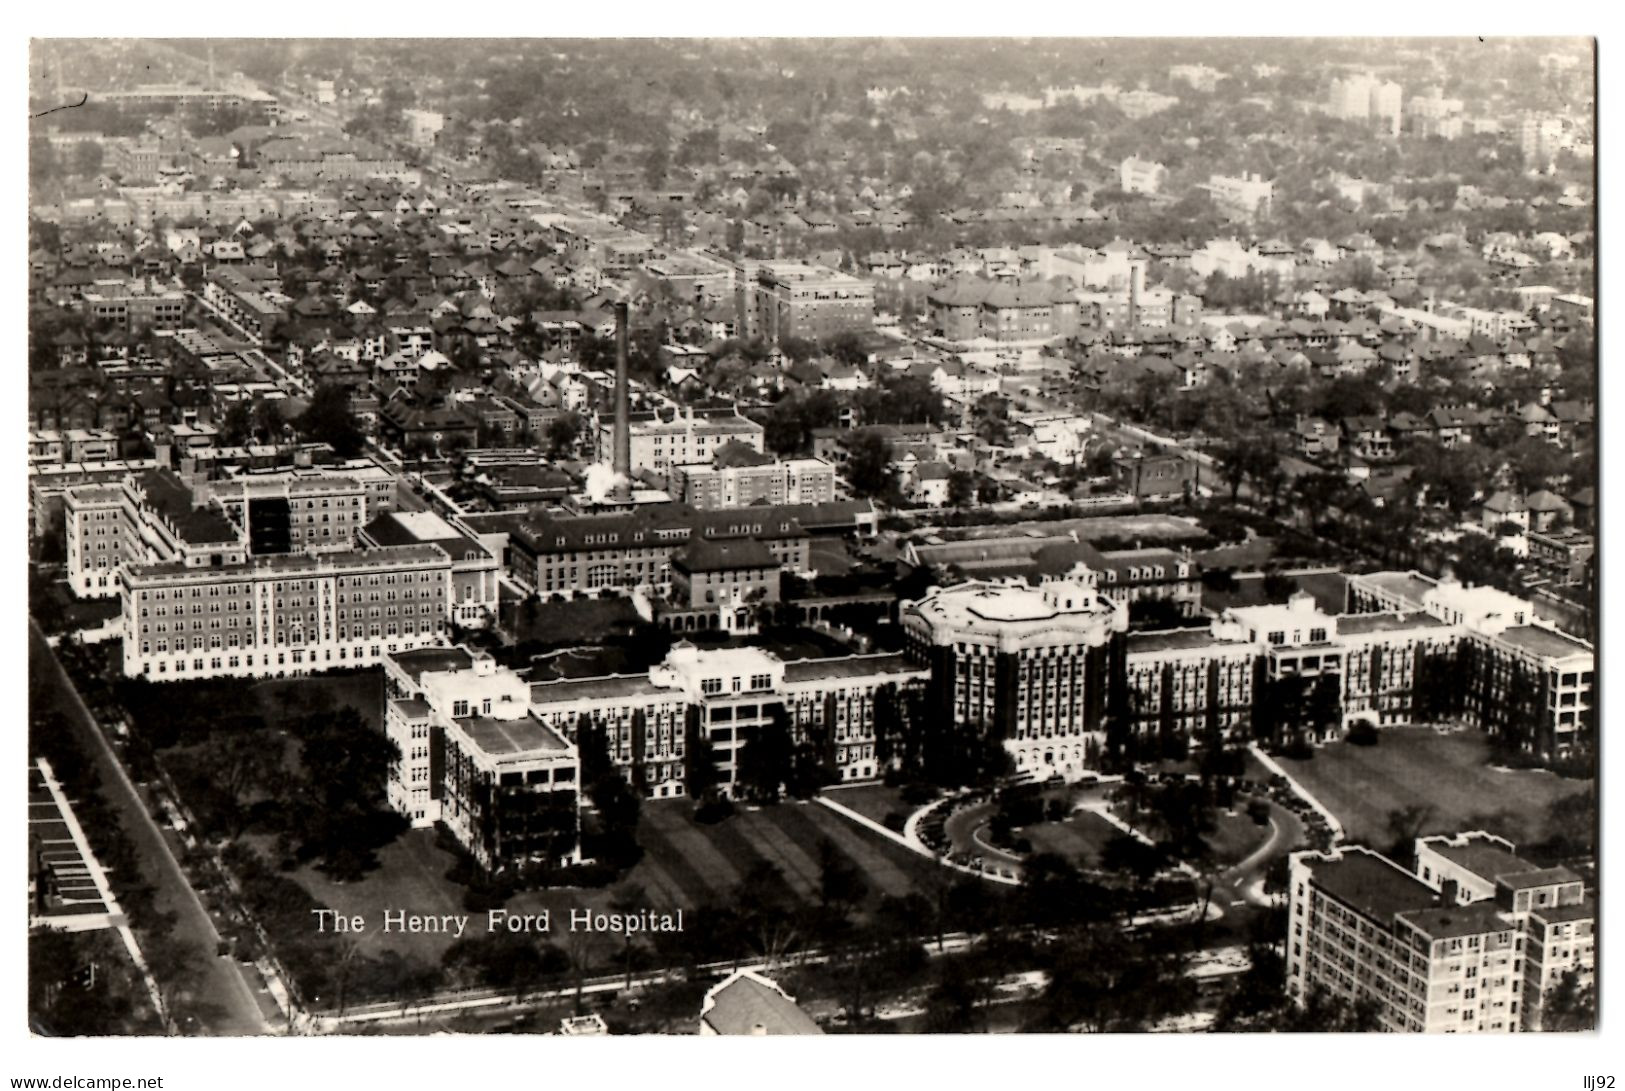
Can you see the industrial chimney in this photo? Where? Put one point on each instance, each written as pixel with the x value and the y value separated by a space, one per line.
pixel 623 422
pixel 1136 286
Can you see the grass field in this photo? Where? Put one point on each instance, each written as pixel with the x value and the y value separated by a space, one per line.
pixel 685 865
pixel 1416 766
pixel 1079 839
pixel 281 699
pixel 1234 837
pixel 872 801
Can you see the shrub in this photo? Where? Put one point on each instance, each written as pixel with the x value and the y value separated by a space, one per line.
pixel 714 810
pixel 1363 733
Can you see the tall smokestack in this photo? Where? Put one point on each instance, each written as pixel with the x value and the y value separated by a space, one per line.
pixel 1136 285
pixel 623 413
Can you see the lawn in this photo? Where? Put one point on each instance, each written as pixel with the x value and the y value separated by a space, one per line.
pixel 282 699
pixel 580 621
pixel 1448 773
pixel 1234 837
pixel 685 865
pixel 872 801
pixel 1080 838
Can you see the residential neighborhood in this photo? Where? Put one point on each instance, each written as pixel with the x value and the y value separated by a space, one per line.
pixel 790 536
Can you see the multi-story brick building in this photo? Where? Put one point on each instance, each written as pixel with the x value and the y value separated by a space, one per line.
pixel 965 310
pixel 1472 942
pixel 570 555
pixel 793 299
pixel 476 570
pixel 1027 663
pixel 474 757
pixel 741 482
pixel 1516 676
pixel 686 438
pixel 135 304
pixel 728 695
pixel 148 517
pixel 282 615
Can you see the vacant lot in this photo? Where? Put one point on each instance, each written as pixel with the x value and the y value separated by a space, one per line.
pixel 1362 786
pixel 685 864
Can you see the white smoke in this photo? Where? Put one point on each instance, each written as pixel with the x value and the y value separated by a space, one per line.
pixel 601 481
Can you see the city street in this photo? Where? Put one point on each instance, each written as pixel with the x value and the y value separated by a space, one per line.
pixel 221 1001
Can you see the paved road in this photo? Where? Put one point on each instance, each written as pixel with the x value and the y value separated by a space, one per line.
pixel 1244 881
pixel 221 1001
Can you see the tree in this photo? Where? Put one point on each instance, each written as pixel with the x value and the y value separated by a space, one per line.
pixel 562 433
pixel 700 763
pixel 961 488
pixel 329 419
pixel 992 412
pixel 1570 1006
pixel 764 761
pixel 869 469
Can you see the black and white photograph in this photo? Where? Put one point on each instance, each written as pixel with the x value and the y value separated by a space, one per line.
pixel 852 535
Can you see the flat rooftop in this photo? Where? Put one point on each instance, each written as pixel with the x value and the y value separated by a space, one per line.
pixel 1407 585
pixel 507 738
pixel 1361 624
pixel 434 660
pixel 1452 921
pixel 846 666
pixel 1372 885
pixel 1168 640
pixel 1551 876
pixel 1584 910
pixel 1483 857
pixel 1545 642
pixel 591 689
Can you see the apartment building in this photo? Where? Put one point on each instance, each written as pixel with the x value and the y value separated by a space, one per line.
pixel 1248 197
pixel 686 438
pixel 241 301
pixel 570 555
pixel 1136 175
pixel 282 615
pixel 1518 676
pixel 738 483
pixel 135 304
pixel 474 757
pixel 971 309
pixel 1472 941
pixel 793 299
